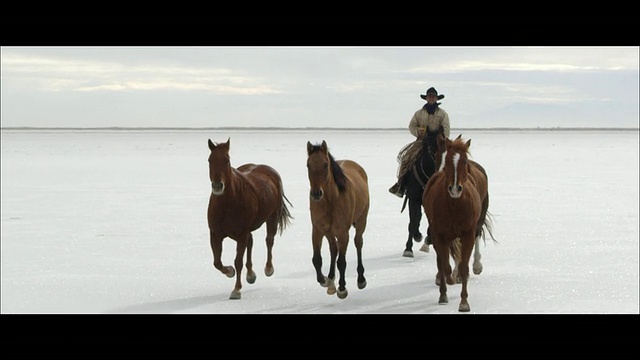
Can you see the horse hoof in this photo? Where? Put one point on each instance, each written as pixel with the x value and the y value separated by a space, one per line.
pixel 231 272
pixel 477 270
pixel 464 308
pixel 251 277
pixel 424 247
pixel 407 253
pixel 343 294
pixel 268 271
pixel 362 285
pixel 330 285
pixel 443 300
pixel 450 280
pixel 235 295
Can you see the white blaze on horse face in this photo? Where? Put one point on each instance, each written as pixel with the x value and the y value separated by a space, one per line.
pixel 455 191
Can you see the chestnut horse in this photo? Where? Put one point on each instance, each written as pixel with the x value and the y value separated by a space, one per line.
pixel 241 201
pixel 453 203
pixel 484 222
pixel 338 199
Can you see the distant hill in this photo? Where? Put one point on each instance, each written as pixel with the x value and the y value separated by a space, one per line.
pixel 596 115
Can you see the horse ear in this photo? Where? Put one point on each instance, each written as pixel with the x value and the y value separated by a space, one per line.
pixel 309 147
pixel 324 145
pixel 228 141
pixel 211 146
pixel 468 143
pixel 459 136
pixel 441 140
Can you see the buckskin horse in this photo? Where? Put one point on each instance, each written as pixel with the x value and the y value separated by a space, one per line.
pixel 338 199
pixel 241 201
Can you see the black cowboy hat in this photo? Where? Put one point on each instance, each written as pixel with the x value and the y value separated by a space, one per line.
pixel 432 90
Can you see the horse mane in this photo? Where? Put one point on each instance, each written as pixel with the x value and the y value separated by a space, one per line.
pixel 460 145
pixel 338 175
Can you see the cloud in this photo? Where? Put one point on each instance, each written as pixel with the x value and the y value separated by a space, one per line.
pixel 55 75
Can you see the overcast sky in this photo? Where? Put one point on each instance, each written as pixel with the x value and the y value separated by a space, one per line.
pixel 369 87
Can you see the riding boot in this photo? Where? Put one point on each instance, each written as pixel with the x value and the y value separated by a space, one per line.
pixel 402 185
pixel 395 190
pixel 399 187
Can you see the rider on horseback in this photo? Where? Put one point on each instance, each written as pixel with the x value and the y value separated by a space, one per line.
pixel 428 119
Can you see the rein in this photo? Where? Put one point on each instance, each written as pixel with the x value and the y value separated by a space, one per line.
pixel 416 172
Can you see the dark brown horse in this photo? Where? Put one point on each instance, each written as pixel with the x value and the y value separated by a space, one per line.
pixel 454 203
pixel 338 199
pixel 241 201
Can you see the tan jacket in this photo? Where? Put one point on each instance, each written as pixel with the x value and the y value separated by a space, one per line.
pixel 422 119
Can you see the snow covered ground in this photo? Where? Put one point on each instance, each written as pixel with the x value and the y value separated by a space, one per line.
pixel 114 222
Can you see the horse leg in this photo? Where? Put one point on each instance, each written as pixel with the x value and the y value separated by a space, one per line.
pixel 408 252
pixel 272 228
pixel 415 215
pixel 455 254
pixel 216 248
pixel 333 250
pixel 343 241
pixel 444 269
pixel 415 208
pixel 477 265
pixel 427 241
pixel 316 242
pixel 467 246
pixel 251 275
pixel 358 241
pixel 241 246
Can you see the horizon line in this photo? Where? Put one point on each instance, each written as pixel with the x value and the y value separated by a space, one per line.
pixel 276 128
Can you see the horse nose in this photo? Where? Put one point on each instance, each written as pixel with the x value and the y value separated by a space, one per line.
pixel 316 194
pixel 455 191
pixel 217 187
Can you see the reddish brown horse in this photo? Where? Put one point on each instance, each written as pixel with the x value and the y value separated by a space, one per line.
pixel 484 222
pixel 455 201
pixel 241 201
pixel 339 199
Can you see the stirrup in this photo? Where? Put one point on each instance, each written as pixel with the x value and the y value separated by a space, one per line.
pixel 395 190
